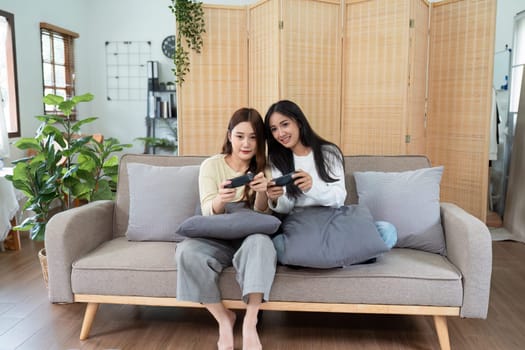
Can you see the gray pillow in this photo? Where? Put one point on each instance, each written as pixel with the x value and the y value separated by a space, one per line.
pixel 160 198
pixel 232 225
pixel 410 201
pixel 324 237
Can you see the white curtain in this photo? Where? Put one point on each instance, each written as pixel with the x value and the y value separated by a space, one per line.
pixel 514 217
pixel 4 141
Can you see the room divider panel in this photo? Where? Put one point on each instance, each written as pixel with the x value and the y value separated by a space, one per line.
pixel 217 83
pixel 460 98
pixel 375 76
pixel 311 62
pixel 294 53
pixel 264 50
pixel 376 62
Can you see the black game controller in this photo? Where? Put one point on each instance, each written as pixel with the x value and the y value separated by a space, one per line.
pixel 283 180
pixel 240 180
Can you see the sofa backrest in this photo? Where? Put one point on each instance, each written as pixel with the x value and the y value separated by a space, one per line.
pixel 378 163
pixel 122 199
pixel 352 163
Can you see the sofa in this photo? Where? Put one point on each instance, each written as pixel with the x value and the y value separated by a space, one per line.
pixel 90 260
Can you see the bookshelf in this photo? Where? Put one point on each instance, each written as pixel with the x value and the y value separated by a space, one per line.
pixel 161 110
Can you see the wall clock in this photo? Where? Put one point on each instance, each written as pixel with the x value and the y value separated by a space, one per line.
pixel 168 46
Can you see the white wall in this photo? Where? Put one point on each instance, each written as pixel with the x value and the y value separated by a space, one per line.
pixel 98 21
pixel 28 15
pixel 124 20
pixel 506 10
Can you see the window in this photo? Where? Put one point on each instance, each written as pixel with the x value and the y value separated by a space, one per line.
pixel 8 79
pixel 58 68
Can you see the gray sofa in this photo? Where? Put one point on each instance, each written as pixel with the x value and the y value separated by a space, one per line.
pixel 91 261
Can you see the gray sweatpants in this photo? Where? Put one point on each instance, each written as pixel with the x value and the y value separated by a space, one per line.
pixel 200 262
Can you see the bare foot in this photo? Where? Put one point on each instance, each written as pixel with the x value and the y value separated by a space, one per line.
pixel 250 337
pixel 226 332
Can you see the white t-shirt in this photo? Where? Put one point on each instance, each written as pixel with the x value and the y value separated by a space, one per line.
pixel 327 194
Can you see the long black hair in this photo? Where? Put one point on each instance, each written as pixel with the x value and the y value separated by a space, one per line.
pixel 282 157
pixel 258 162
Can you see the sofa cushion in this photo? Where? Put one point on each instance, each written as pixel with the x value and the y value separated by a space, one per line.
pixel 410 201
pixel 123 267
pixel 399 277
pixel 160 198
pixel 324 237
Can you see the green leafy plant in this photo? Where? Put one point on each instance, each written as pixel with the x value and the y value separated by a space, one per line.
pixel 63 166
pixel 189 19
pixel 97 174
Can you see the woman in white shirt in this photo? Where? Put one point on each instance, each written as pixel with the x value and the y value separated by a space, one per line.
pixel 318 165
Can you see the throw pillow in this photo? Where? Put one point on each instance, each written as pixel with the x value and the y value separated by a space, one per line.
pixel 160 198
pixel 324 237
pixel 410 201
pixel 231 225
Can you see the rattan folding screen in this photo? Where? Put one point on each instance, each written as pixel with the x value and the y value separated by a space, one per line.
pixel 264 50
pixel 217 83
pixel 374 76
pixel 311 61
pixel 460 98
pixel 376 61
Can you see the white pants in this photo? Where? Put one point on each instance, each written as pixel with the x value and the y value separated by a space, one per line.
pixel 201 260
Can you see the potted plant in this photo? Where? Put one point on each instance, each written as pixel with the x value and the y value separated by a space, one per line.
pixel 63 168
pixel 190 23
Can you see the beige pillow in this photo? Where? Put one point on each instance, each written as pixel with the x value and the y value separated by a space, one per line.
pixel 160 199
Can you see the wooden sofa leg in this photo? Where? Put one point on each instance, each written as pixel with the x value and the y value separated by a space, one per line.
pixel 442 331
pixel 89 317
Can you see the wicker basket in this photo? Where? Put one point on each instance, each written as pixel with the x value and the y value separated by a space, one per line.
pixel 43 263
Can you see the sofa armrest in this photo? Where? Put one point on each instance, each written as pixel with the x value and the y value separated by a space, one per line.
pixel 469 248
pixel 70 235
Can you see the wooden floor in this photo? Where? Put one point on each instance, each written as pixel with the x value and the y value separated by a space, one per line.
pixel 29 321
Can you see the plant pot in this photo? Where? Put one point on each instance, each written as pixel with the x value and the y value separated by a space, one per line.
pixel 43 263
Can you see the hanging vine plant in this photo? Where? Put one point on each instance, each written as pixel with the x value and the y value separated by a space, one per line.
pixel 189 18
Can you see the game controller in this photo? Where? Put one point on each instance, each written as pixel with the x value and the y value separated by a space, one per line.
pixel 240 180
pixel 283 180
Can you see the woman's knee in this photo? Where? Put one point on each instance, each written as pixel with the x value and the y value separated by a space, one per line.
pixel 197 255
pixel 259 241
pixel 257 245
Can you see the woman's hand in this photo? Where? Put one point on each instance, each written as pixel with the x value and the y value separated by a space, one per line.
pixel 303 180
pixel 274 192
pixel 259 183
pixel 225 195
